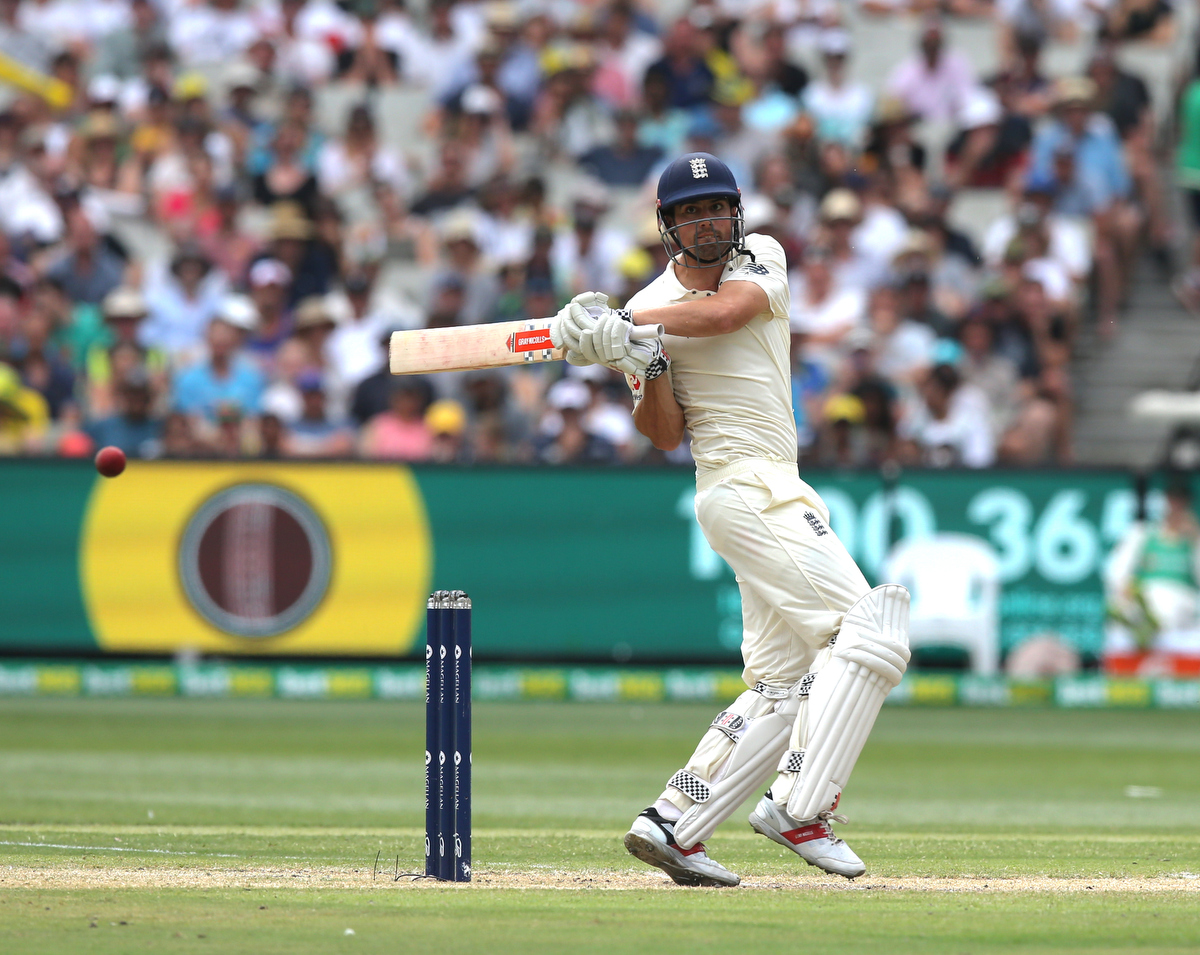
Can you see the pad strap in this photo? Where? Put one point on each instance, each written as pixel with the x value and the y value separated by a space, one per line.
pixel 691 785
pixel 792 760
pixel 729 723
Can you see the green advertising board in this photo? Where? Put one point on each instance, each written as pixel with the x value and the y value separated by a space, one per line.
pixel 584 684
pixel 270 559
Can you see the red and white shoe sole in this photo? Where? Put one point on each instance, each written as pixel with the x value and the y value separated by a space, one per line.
pixel 656 854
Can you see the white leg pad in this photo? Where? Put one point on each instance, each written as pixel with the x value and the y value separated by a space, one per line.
pixel 755 754
pixel 868 657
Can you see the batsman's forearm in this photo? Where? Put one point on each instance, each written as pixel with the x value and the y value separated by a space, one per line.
pixel 702 318
pixel 658 415
pixel 725 311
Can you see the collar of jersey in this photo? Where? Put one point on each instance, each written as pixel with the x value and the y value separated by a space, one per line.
pixel 679 293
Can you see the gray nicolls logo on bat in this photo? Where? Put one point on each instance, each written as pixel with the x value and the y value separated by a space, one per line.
pixel 815 523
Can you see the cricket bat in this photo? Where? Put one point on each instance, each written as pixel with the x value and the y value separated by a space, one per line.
pixel 468 347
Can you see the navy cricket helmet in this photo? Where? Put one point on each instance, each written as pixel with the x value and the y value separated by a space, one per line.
pixel 699 176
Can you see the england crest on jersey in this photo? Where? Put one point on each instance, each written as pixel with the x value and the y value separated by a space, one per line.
pixel 699 168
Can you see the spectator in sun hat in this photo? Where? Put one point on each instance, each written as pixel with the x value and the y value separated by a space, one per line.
pixel 293 242
pixel 447 422
pixel 317 433
pixel 269 281
pixel 463 261
pixel 563 437
pixel 109 179
pixel 134 428
pixel 227 376
pixel 568 117
pixel 314 324
pixel 839 214
pixel 181 300
pixel 483 132
pixel 841 441
pixel 840 107
pixel 741 148
pixel 891 145
pixel 492 70
pixel 1097 175
pixel 125 312
pixel 1080 151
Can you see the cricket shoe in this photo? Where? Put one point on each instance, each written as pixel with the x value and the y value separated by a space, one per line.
pixel 812 840
pixel 651 839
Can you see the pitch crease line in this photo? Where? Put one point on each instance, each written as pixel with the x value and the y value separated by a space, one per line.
pixel 169 852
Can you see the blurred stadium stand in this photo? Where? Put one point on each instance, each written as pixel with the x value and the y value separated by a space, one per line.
pixel 463 193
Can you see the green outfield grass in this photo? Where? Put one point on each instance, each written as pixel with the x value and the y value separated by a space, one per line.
pixel 188 825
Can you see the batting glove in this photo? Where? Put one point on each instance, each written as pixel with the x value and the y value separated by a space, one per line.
pixel 610 339
pixel 569 326
pixel 648 359
pixel 610 336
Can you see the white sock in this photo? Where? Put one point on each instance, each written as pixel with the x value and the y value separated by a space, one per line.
pixel 668 810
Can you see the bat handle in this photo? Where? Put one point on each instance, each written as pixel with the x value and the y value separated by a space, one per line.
pixel 640 333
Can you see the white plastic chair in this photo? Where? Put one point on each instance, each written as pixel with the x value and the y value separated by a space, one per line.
pixel 954 580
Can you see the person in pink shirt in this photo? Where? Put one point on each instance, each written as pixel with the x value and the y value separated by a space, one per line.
pixel 400 433
pixel 934 82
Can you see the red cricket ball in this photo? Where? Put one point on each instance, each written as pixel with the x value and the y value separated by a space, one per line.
pixel 110 461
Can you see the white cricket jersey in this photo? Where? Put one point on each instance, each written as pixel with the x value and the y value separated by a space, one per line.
pixel 735 389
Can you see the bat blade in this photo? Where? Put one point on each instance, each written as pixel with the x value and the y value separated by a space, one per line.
pixel 467 347
pixel 423 351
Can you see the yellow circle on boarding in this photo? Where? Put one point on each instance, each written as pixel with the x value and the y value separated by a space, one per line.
pixel 287 559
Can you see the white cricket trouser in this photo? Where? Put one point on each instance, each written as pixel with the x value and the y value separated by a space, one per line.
pixel 796 578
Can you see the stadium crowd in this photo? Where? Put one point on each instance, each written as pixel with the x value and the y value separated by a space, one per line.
pixel 209 237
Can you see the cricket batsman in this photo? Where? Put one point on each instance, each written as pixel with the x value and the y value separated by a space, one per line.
pixel 821 647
